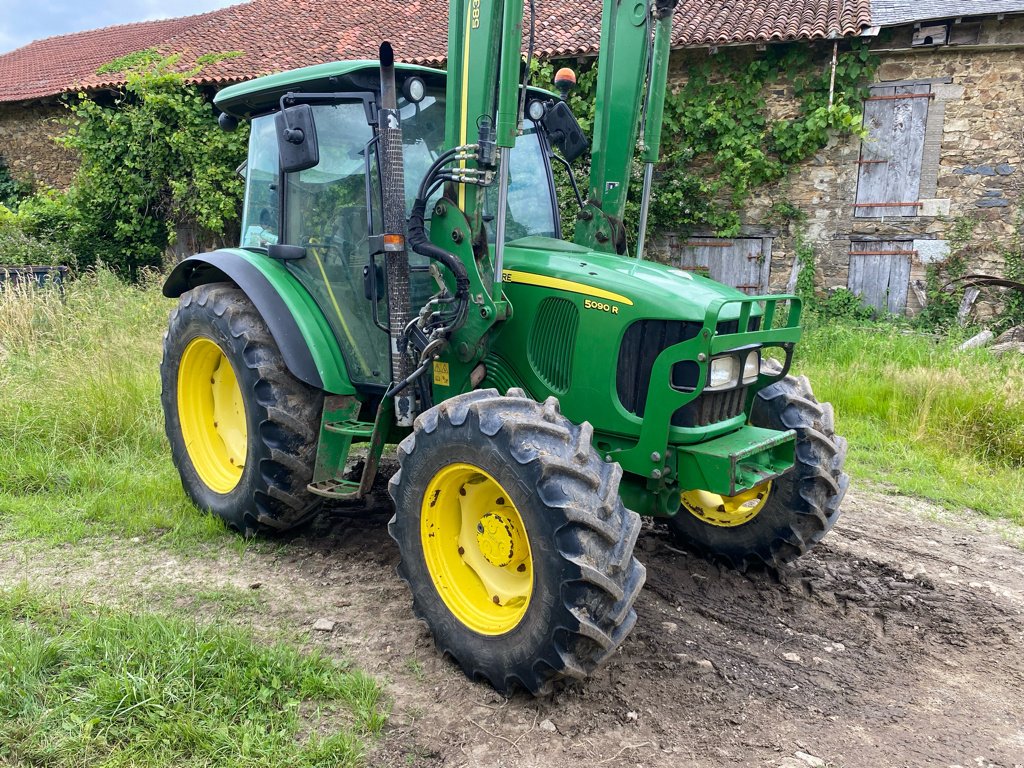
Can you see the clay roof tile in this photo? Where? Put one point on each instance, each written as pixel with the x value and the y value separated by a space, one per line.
pixel 275 35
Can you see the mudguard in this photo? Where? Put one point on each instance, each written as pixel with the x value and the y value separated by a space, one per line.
pixel 295 321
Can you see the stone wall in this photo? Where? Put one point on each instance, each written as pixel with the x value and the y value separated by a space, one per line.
pixel 973 149
pixel 28 148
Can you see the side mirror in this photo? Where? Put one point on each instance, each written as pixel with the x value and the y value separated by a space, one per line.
pixel 296 138
pixel 564 132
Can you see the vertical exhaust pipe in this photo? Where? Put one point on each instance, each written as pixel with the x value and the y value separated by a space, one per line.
pixel 396 258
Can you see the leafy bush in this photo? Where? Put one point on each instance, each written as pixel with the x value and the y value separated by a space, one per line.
pixel 152 161
pixel 11 190
pixel 842 304
pixel 19 248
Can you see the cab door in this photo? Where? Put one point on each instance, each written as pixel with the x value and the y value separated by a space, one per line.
pixel 327 211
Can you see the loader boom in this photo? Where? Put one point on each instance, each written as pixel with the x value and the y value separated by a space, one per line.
pixel 484 77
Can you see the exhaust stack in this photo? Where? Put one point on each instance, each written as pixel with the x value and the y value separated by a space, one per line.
pixel 396 258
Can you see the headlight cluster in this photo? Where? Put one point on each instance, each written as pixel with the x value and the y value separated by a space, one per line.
pixel 730 370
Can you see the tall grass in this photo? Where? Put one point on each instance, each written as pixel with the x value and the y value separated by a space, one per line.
pixel 81 429
pixel 82 445
pixel 922 416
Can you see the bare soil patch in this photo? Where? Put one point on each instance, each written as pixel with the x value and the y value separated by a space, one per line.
pixel 898 642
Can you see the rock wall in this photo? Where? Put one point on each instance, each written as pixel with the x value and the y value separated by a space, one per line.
pixel 973 147
pixel 28 148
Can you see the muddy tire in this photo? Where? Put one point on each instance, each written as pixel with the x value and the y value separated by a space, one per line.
pixel 243 431
pixel 802 505
pixel 505 494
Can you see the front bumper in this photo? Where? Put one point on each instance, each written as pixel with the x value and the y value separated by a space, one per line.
pixel 656 454
pixel 736 462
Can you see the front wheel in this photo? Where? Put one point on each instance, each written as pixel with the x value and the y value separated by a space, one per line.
pixel 782 519
pixel 514 542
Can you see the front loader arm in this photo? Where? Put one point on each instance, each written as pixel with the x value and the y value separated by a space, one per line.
pixel 633 58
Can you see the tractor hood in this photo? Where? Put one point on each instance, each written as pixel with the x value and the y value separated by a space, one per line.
pixel 636 288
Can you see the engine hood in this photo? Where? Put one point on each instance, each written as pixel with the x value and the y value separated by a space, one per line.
pixel 639 288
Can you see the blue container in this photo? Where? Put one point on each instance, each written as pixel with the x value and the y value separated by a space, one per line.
pixel 41 276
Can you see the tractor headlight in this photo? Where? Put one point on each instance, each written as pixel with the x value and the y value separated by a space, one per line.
pixel 724 372
pixel 752 366
pixel 414 89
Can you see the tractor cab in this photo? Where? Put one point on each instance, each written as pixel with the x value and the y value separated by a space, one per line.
pixel 324 222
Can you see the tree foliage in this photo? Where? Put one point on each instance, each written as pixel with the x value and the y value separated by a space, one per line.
pixel 153 160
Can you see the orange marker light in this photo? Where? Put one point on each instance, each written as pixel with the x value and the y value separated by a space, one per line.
pixel 394 243
pixel 565 81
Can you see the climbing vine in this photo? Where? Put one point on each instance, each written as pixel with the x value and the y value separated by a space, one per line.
pixel 152 161
pixel 943 302
pixel 724 143
pixel 720 142
pixel 1013 302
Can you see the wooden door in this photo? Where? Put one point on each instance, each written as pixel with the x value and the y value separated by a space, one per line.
pixel 743 262
pixel 880 274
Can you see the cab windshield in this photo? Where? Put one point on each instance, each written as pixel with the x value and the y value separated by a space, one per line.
pixel 333 208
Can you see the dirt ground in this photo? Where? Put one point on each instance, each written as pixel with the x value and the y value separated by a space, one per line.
pixel 898 642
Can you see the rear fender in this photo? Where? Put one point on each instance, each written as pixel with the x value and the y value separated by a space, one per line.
pixel 295 321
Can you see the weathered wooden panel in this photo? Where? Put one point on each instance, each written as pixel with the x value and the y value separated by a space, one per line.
pixel 880 274
pixel 743 263
pixel 903 182
pixel 875 152
pixel 890 162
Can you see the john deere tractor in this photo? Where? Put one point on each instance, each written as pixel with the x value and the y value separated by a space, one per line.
pixel 402 280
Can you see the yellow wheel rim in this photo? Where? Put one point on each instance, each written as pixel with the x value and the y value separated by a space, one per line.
pixel 726 511
pixel 476 549
pixel 211 412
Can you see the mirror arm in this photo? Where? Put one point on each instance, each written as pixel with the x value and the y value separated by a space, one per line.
pixel 572 176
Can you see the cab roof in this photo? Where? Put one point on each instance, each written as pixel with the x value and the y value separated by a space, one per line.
pixel 262 95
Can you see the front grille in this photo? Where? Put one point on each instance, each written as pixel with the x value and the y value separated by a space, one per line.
pixel 641 344
pixel 643 341
pixel 711 408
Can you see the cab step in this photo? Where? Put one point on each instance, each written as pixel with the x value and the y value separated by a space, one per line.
pixel 350 428
pixel 339 490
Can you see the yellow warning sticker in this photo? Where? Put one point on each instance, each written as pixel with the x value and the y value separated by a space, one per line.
pixel 441 374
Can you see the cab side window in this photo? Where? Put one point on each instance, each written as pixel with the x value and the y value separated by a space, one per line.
pixel 261 222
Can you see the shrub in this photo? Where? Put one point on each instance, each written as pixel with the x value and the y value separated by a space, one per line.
pixel 152 161
pixel 19 248
pixel 11 190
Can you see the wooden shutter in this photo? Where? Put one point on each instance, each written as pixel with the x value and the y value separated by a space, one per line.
pixel 880 274
pixel 890 158
pixel 743 262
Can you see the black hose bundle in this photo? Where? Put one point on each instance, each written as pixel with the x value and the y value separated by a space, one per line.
pixel 420 242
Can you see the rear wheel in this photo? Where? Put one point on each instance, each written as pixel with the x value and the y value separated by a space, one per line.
pixel 780 520
pixel 243 431
pixel 514 542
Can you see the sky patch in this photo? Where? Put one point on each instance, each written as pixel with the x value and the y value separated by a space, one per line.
pixel 21 22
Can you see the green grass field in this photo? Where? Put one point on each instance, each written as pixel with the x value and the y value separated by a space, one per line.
pixel 83 449
pixel 90 687
pixel 922 417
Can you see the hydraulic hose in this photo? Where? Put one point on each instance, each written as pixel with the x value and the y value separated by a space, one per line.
pixel 420 243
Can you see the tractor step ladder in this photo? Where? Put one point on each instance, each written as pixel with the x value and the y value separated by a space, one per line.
pixel 339 428
pixel 350 427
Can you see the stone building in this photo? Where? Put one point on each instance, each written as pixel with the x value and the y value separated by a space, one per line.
pixel 946 122
pixel 944 115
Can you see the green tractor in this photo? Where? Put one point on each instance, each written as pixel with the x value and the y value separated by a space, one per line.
pixel 402 280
